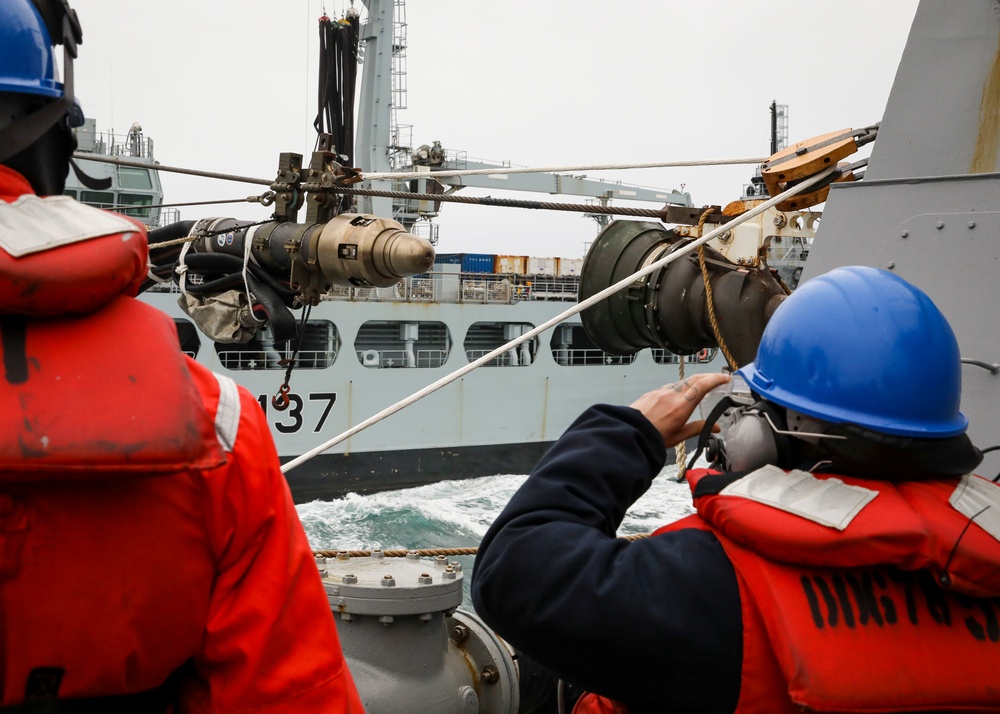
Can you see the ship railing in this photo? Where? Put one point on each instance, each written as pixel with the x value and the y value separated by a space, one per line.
pixel 545 287
pixel 132 146
pixel 492 289
pixel 394 359
pixel 592 356
pixel 449 288
pixel 664 356
pixel 167 216
pixel 270 359
pixel 502 360
pixel 485 288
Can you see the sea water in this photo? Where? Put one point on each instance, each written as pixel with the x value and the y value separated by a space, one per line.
pixel 456 514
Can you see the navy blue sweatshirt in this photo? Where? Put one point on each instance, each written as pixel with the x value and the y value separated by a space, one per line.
pixel 653 623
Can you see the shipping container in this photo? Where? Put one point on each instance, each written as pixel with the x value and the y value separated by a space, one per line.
pixel 570 266
pixel 448 258
pixel 511 264
pixel 543 266
pixel 470 262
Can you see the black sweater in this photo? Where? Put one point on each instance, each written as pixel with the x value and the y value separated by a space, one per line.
pixel 653 623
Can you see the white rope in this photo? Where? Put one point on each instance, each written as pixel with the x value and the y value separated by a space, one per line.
pixel 247 257
pixel 247 244
pixel 182 269
pixel 562 169
pixel 592 300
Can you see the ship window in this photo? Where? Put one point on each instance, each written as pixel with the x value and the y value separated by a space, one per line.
pixel 69 192
pixel 101 199
pixel 129 177
pixel 318 349
pixel 187 333
pixel 393 344
pixel 135 199
pixel 571 347
pixel 484 337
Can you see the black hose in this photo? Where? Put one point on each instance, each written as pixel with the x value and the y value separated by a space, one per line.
pixel 338 67
pixel 224 263
pixel 173 231
pixel 279 318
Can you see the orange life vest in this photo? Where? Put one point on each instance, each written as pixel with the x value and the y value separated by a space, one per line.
pixel 898 609
pixel 144 521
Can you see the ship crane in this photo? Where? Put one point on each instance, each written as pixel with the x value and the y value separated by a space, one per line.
pixel 383 146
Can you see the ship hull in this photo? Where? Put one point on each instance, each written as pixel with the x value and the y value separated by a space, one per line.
pixel 328 476
pixel 494 420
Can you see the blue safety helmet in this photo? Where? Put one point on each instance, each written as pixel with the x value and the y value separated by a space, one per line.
pixel 862 346
pixel 27 62
pixel 32 99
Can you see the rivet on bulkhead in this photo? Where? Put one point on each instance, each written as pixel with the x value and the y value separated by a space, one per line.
pixel 939 225
pixel 972 224
pixel 890 265
pixel 904 234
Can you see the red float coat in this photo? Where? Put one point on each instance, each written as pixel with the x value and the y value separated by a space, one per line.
pixel 896 610
pixel 144 520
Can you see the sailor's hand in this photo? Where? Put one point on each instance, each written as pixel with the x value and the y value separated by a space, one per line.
pixel 669 407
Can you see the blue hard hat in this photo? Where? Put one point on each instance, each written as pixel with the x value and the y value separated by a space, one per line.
pixel 27 63
pixel 862 346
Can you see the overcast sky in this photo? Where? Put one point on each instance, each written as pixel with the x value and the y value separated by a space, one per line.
pixel 225 85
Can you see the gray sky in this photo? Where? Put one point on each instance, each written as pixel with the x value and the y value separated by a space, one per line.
pixel 225 85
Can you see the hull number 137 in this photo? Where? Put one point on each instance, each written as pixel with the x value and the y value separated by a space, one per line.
pixel 291 419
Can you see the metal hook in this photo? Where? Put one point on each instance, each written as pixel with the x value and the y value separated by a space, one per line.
pixel 280 401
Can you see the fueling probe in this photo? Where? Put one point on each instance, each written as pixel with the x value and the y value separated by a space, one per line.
pixel 723 295
pixel 237 277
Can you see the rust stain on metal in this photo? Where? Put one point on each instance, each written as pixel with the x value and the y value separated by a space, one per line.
pixel 988 137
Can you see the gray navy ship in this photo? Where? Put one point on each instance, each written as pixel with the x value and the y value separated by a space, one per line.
pixel 369 342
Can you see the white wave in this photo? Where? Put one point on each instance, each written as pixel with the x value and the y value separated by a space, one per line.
pixel 454 513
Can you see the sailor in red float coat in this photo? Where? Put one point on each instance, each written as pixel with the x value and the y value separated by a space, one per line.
pixel 147 534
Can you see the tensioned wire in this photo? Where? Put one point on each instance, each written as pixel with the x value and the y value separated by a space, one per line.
pixel 120 161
